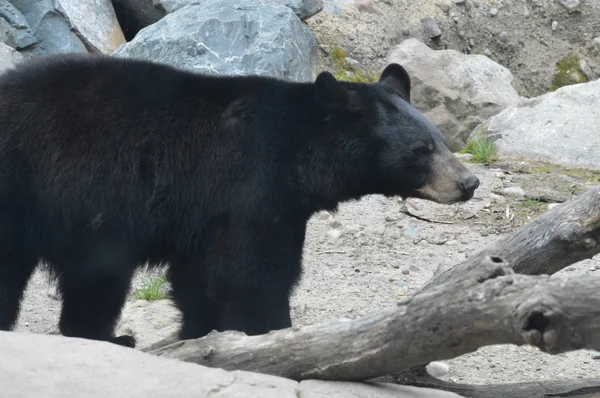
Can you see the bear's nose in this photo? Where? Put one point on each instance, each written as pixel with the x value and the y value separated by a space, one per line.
pixel 469 184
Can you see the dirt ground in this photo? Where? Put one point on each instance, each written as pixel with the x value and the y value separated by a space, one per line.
pixel 369 255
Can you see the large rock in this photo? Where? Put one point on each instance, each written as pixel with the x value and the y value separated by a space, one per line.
pixel 230 37
pixel 135 15
pixel 9 57
pixel 560 127
pixel 63 26
pixel 14 27
pixel 455 91
pixel 304 9
pixel 37 365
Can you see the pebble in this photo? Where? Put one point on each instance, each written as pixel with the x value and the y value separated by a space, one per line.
pixel 493 11
pixel 432 30
pixel 334 234
pixel 487 52
pixel 597 41
pixel 471 42
pixel 464 156
pixel 437 369
pixel 585 68
pixel 570 5
pixel 459 1
pixel 514 192
pixel 335 224
pixel 406 31
pixel 354 63
pixel 405 272
pixel 554 25
pixel 504 37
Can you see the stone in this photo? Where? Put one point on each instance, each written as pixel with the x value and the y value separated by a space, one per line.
pixel 230 37
pixel 334 234
pixel 455 91
pixel 332 7
pixel 353 63
pixel 465 156
pixel 437 369
pixel 554 25
pixel 340 389
pixel 304 9
pixel 597 41
pixel 504 37
pixel 559 127
pixel 584 67
pixel 9 57
pixel 135 15
pixel 570 5
pixel 53 366
pixel 63 26
pixel 514 192
pixel 432 30
pixel 14 28
pixel 493 11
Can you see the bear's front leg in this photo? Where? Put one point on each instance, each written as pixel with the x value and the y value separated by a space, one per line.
pixel 253 273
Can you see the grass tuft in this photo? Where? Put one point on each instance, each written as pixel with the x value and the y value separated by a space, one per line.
pixel 152 289
pixel 482 148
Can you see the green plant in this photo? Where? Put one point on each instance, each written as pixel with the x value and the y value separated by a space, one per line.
pixel 567 72
pixel 482 148
pixel 152 289
pixel 347 72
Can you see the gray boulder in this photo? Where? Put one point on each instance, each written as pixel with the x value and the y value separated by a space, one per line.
pixel 80 26
pixel 304 9
pixel 230 37
pixel 14 28
pixel 9 57
pixel 454 90
pixel 559 127
pixel 50 366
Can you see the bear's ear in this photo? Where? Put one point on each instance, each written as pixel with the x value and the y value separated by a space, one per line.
pixel 330 94
pixel 396 77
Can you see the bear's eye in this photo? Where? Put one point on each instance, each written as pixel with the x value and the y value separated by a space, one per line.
pixel 424 149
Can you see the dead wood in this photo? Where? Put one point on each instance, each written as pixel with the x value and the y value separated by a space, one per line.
pixel 489 305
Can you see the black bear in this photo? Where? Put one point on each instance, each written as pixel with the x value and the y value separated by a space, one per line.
pixel 110 163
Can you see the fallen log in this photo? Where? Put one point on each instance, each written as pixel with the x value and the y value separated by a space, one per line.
pixel 489 305
pixel 562 236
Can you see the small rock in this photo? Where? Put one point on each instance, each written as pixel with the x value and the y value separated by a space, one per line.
pixel 570 5
pixel 335 224
pixel 459 1
pixel 405 272
pixel 493 11
pixel 464 156
pixel 514 192
pixel 597 41
pixel 390 218
pixel 406 32
pixel 554 25
pixel 471 42
pixel 585 68
pixel 437 369
pixel 432 30
pixel 504 37
pixel 301 309
pixel 354 63
pixel 487 52
pixel 324 215
pixel 334 234
pixel 552 205
pixel 501 175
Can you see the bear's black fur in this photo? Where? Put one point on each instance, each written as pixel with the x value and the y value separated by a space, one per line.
pixel 109 163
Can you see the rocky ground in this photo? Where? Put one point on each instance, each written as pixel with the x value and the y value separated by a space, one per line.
pixel 370 254
pixel 527 36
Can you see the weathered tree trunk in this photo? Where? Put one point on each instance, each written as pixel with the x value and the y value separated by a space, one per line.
pixel 489 305
pixel 556 239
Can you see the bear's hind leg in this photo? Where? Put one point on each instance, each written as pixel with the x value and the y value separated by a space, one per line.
pixel 93 292
pixel 199 312
pixel 16 268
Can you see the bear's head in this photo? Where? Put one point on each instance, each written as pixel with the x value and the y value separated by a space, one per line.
pixel 403 152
